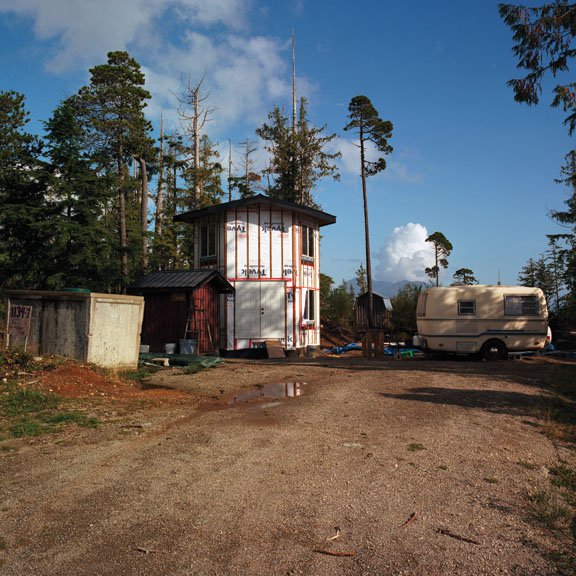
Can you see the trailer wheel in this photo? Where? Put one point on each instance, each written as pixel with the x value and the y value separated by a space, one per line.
pixel 494 350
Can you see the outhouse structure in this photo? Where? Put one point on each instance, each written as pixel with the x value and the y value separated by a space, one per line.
pixel 182 308
pixel 269 251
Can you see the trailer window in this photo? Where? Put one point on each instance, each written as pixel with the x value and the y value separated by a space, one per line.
pixel 521 306
pixel 467 307
pixel 421 306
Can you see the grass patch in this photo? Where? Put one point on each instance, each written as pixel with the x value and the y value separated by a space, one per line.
pixel 415 447
pixel 195 368
pixel 560 407
pixel 547 508
pixel 27 400
pixel 564 477
pixel 528 465
pixel 31 412
pixel 140 374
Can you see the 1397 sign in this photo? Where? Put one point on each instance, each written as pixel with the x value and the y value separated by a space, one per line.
pixel 19 321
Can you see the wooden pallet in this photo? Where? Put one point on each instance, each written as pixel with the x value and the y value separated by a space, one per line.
pixel 274 349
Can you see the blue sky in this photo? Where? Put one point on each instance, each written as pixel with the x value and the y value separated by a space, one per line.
pixel 468 161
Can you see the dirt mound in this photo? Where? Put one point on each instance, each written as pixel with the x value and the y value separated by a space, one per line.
pixel 75 380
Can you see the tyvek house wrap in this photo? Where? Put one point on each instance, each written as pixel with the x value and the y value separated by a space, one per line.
pixel 262 262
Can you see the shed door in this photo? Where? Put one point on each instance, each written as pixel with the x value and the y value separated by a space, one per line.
pixel 260 310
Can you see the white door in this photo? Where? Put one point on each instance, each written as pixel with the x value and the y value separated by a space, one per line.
pixel 260 310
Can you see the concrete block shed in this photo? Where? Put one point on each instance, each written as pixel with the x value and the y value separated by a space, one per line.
pixel 103 329
pixel 182 305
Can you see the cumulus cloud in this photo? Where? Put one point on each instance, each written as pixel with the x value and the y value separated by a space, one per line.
pixel 173 40
pixel 86 30
pixel 405 255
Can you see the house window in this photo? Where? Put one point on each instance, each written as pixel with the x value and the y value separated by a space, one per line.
pixel 208 243
pixel 467 307
pixel 309 306
pixel 521 306
pixel 307 243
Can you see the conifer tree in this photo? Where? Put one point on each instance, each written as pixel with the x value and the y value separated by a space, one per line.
pixel 298 156
pixel 370 128
pixel 465 276
pixel 442 249
pixel 25 231
pixel 112 111
pixel 82 245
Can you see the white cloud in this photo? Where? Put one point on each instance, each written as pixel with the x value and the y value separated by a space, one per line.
pixel 397 164
pixel 174 41
pixel 405 255
pixel 87 30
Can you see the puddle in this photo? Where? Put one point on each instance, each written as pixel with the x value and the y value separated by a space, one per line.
pixel 279 390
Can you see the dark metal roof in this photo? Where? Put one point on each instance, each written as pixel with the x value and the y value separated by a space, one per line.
pixel 322 217
pixel 181 279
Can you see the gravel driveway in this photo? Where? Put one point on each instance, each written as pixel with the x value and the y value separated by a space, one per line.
pixel 404 467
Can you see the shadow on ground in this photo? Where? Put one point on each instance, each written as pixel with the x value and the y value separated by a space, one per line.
pixel 497 401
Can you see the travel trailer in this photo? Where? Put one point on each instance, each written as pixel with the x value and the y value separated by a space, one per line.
pixel 486 320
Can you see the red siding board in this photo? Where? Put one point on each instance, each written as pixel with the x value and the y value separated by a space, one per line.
pixel 165 319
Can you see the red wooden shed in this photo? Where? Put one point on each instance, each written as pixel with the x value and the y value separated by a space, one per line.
pixel 180 305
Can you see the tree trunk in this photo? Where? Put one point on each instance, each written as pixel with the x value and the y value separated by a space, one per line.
pixel 122 222
pixel 144 212
pixel 160 189
pixel 196 130
pixel 366 231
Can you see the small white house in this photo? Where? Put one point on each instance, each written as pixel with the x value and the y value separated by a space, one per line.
pixel 269 250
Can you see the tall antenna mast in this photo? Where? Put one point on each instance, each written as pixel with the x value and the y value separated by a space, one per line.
pixel 293 86
pixel 229 170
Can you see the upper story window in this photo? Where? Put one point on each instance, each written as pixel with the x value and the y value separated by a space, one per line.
pixel 467 307
pixel 521 306
pixel 307 243
pixel 208 243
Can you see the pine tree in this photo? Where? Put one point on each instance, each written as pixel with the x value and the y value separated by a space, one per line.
pixel 465 276
pixel 366 122
pixel 25 231
pixel 544 37
pixel 298 156
pixel 82 246
pixel 442 249
pixel 361 279
pixel 112 113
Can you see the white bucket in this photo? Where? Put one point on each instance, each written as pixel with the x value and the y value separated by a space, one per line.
pixel 187 346
pixel 170 348
pixel 144 348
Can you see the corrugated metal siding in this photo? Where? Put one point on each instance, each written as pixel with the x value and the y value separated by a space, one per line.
pixel 173 279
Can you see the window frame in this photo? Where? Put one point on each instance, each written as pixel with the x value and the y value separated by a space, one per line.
pixel 309 313
pixel 528 305
pixel 307 243
pixel 462 311
pixel 207 237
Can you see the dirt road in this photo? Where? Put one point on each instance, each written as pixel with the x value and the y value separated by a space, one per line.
pixel 404 467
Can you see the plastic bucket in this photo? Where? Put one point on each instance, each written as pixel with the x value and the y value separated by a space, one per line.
pixel 170 348
pixel 144 348
pixel 187 346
